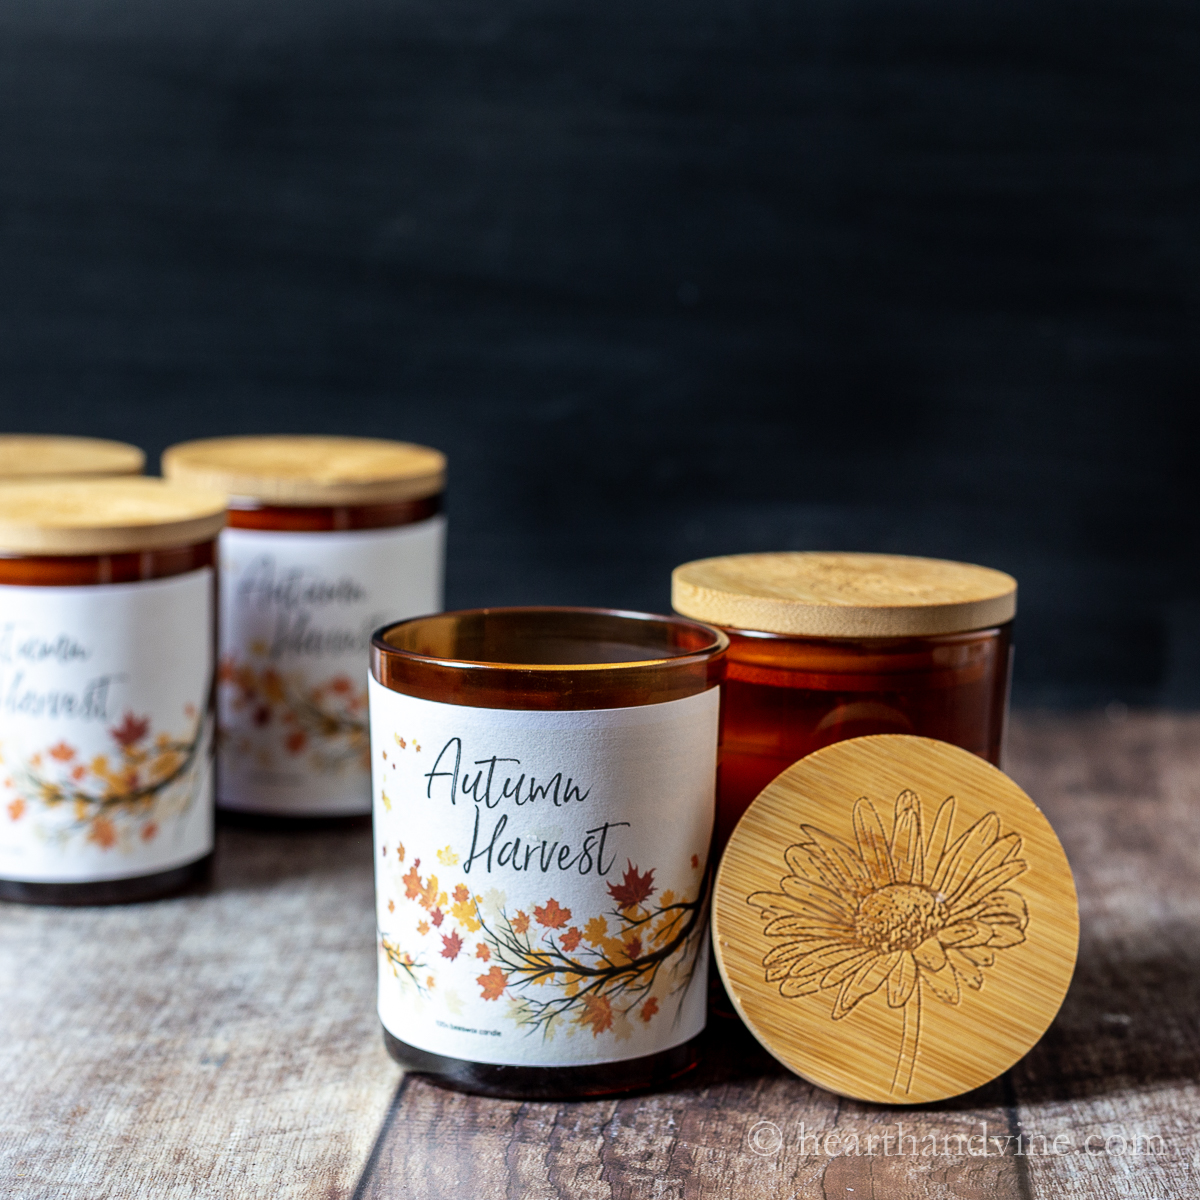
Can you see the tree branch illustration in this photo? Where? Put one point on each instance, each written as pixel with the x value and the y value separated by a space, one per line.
pixel 53 793
pixel 530 965
pixel 402 961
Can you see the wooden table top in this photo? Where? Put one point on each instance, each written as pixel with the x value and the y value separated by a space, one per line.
pixel 226 1044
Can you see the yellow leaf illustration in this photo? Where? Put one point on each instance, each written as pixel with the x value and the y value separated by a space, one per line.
pixel 447 857
pixel 387 801
pixel 596 930
pixel 464 913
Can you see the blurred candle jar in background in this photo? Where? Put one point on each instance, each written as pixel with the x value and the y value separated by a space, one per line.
pixel 107 656
pixel 328 539
pixel 544 782
pixel 29 456
pixel 828 646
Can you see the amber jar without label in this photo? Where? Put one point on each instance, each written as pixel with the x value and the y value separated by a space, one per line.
pixel 107 655
pixel 327 539
pixel 804 669
pixel 543 790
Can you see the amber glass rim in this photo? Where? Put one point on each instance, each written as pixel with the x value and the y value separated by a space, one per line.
pixel 711 641
pixel 767 635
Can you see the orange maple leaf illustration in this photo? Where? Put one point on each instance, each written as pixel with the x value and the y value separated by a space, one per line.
pixel 571 939
pixel 482 951
pixel 633 889
pixel 633 948
pixel 149 831
pixel 451 945
pixel 520 922
pixel 62 752
pixel 462 894
pixel 15 809
pixel 597 1012
pixel 437 916
pixel 102 833
pixel 493 983
pixel 412 882
pixel 423 928
pixel 649 1008
pixel 552 915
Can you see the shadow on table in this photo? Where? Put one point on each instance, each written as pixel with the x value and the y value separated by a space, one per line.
pixel 1128 1022
pixel 256 856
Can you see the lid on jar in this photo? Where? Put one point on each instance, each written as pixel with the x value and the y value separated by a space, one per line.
pixel 895 920
pixel 822 594
pixel 302 470
pixel 48 456
pixel 105 516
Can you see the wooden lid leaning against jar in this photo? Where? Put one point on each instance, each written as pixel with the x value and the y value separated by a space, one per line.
pixel 895 919
pixel 48 456
pixel 105 516
pixel 302 470
pixel 824 594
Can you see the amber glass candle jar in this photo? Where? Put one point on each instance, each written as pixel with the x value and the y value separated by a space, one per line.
pixel 328 539
pixel 30 456
pixel 825 647
pixel 544 783
pixel 107 656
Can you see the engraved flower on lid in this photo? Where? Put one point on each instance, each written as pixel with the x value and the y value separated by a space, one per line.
pixel 894 913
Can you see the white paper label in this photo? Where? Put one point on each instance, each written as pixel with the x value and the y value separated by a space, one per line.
pixel 540 877
pixel 105 728
pixel 297 614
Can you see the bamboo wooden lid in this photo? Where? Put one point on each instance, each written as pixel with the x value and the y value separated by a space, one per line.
pixel 46 455
pixel 300 470
pixel 105 516
pixel 820 594
pixel 895 920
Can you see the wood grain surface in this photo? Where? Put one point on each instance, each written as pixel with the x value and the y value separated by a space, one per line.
pixel 226 1044
pixel 1119 1062
pixel 105 516
pixel 214 1045
pixel 885 952
pixel 305 469
pixel 25 456
pixel 818 593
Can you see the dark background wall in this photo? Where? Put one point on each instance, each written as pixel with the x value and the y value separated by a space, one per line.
pixel 666 279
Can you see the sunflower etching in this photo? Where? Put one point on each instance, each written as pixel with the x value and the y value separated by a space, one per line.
pixel 897 914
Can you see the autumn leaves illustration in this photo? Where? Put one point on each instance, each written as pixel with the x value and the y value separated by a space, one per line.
pixel 271 716
pixel 115 800
pixel 556 968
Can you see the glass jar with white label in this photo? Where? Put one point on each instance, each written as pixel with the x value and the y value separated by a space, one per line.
pixel 107 661
pixel 328 539
pixel 543 796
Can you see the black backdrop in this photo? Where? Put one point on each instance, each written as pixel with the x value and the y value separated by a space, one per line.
pixel 665 278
